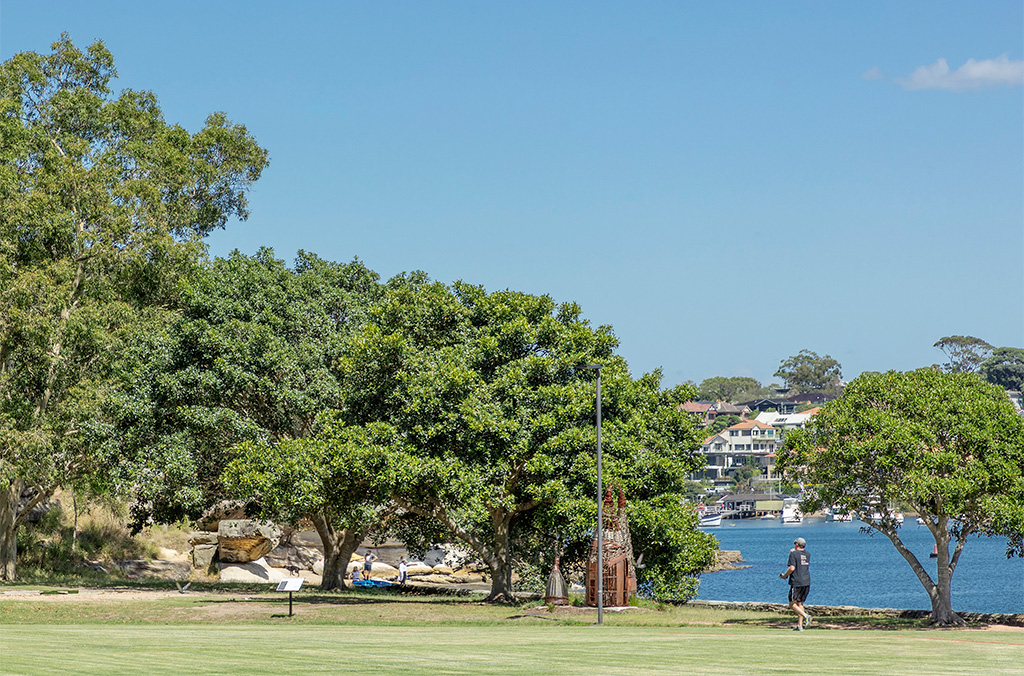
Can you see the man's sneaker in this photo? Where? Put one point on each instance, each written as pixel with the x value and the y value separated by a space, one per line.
pixel 807 620
pixel 798 628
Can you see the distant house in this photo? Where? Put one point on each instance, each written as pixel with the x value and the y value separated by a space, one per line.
pixel 1017 398
pixel 705 410
pixel 789 404
pixel 786 421
pixel 725 408
pixel 747 443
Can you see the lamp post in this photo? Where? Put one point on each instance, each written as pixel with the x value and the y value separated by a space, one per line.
pixel 600 505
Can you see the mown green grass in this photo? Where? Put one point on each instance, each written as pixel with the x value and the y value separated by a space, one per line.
pixel 225 630
pixel 510 650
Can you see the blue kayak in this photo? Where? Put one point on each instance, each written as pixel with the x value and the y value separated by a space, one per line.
pixel 372 583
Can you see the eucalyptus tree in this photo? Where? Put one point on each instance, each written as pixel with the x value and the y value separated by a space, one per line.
pixel 948 444
pixel 103 207
pixel 965 353
pixel 494 407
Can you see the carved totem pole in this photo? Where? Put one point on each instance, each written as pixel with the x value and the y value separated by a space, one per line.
pixel 619 564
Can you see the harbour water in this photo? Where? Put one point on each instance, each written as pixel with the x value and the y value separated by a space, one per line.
pixel 849 567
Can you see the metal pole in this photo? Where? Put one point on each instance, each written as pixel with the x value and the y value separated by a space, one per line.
pixel 600 511
pixel 289 604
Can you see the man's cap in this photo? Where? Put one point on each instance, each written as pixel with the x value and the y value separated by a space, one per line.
pixel 800 541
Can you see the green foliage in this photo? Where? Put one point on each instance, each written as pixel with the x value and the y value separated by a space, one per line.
pixel 719 388
pixel 102 209
pixel 340 471
pixel 721 422
pixel 495 413
pixel 965 353
pixel 806 371
pixel 949 445
pixel 1005 368
pixel 251 357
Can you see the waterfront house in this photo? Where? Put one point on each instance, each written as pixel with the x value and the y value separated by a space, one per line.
pixel 750 442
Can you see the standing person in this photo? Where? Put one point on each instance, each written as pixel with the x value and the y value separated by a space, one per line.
pixel 799 574
pixel 403 571
pixel 368 563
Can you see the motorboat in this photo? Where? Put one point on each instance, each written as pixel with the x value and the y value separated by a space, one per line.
pixel 833 516
pixel 791 511
pixel 768 517
pixel 710 520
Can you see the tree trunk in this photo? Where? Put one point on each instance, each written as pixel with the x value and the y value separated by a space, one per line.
pixel 499 562
pixel 338 548
pixel 938 590
pixel 9 498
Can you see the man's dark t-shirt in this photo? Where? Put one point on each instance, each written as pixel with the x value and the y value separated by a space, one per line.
pixel 801 562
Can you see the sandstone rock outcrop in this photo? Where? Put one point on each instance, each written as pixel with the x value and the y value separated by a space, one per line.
pixel 245 540
pixel 252 572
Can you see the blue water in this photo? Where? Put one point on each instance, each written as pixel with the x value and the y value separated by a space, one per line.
pixel 852 568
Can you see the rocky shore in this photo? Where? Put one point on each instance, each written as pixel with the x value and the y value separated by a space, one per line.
pixel 727 560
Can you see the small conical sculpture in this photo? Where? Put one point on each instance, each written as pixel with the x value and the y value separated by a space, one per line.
pixel 556 593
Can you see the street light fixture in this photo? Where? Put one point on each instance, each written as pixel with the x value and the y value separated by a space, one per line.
pixel 600 504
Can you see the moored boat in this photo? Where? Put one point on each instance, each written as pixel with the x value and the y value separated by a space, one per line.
pixel 791 511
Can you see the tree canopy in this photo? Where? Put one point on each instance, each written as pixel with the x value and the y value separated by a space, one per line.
pixel 1005 368
pixel 948 444
pixel 494 410
pixel 719 388
pixel 103 206
pixel 807 372
pixel 965 353
pixel 251 356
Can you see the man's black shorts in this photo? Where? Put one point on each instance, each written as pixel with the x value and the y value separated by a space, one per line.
pixel 798 594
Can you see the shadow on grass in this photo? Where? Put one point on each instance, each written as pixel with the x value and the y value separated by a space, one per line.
pixel 849 622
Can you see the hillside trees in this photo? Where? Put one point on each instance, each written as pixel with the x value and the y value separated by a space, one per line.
pixel 949 445
pixel 494 411
pixel 720 388
pixel 807 372
pixel 1005 368
pixel 103 206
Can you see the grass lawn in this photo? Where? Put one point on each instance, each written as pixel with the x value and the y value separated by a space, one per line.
pixel 364 633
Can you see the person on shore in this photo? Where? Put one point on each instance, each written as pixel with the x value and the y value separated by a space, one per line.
pixel 403 571
pixel 368 560
pixel 799 574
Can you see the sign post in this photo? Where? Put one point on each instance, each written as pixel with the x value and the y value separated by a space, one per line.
pixel 290 584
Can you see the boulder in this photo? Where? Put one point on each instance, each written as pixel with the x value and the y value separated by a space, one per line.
pixel 294 556
pixel 225 509
pixel 419 568
pixel 442 569
pixel 245 540
pixel 252 571
pixel 202 556
pixel 202 537
pixel 318 567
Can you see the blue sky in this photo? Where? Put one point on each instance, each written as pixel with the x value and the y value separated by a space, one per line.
pixel 724 183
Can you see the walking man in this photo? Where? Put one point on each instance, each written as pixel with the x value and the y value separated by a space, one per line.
pixel 799 574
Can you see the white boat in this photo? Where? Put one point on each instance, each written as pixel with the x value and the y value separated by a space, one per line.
pixel 768 517
pixel 832 516
pixel 707 518
pixel 791 511
pixel 710 520
pixel 920 521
